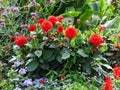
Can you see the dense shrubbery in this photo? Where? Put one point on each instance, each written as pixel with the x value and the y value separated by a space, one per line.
pixel 59 44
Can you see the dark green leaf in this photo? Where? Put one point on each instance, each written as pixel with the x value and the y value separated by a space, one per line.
pixel 32 65
pixel 47 54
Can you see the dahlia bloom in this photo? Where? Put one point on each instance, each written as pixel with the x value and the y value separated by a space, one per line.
pixel 21 41
pixel 60 29
pixel 32 28
pixel 116 72
pixel 95 40
pixel 107 84
pixel 60 18
pixel 46 26
pixel 40 21
pixel 52 19
pixel 70 32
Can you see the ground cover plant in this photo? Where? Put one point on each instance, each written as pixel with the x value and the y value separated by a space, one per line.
pixel 59 45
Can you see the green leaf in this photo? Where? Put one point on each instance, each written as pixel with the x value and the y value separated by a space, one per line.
pixel 45 66
pixel 82 53
pixel 65 54
pixel 32 65
pixel 47 54
pixel 72 42
pixel 59 58
pixel 107 66
pixel 71 14
pixel 103 49
pixel 95 6
pixel 38 53
pixel 87 14
pixel 29 55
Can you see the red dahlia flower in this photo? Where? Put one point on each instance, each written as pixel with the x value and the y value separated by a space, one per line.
pixel 21 41
pixel 32 28
pixel 95 40
pixel 107 84
pixel 52 19
pixel 60 18
pixel 46 26
pixel 70 32
pixel 40 21
pixel 60 29
pixel 116 72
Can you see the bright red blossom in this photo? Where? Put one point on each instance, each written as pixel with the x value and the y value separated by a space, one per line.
pixel 21 41
pixel 60 29
pixel 70 32
pixel 32 28
pixel 107 84
pixel 60 18
pixel 46 26
pixel 95 40
pixel 116 72
pixel 52 19
pixel 40 21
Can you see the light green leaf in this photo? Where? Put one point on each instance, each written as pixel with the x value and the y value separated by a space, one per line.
pixel 71 14
pixel 65 54
pixel 82 53
pixel 38 53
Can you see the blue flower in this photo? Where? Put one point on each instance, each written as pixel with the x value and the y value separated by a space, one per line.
pixel 15 79
pixel 22 71
pixel 17 88
pixel 27 82
pixel 38 80
pixel 39 86
pixel 53 84
pixel 17 63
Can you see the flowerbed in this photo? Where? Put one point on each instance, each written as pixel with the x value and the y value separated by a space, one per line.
pixel 59 45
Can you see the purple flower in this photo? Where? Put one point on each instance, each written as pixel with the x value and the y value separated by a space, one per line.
pixel 49 1
pixel 15 79
pixel 5 15
pixel 27 82
pixel 39 86
pixel 1 1
pixel 17 88
pixel 26 7
pixel 37 5
pixel 33 1
pixel 34 14
pixel 1 8
pixel 22 71
pixel 23 26
pixel 14 9
pixel 2 22
pixel 17 63
pixel 53 84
